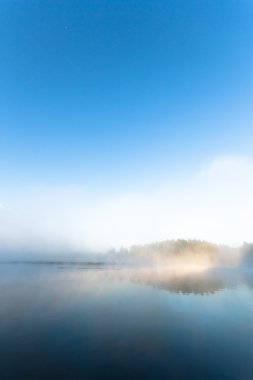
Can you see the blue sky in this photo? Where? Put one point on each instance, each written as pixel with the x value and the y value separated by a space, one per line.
pixel 117 96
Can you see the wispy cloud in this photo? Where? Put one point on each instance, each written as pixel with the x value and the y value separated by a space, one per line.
pixel 214 203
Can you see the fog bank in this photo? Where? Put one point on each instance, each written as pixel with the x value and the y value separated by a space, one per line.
pixel 214 203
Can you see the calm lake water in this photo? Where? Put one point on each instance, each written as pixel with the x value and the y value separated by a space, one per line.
pixel 98 322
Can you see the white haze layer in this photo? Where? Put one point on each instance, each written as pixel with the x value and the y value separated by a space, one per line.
pixel 215 203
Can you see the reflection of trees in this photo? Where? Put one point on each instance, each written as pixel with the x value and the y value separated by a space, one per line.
pixel 204 283
pixel 186 284
pixel 192 285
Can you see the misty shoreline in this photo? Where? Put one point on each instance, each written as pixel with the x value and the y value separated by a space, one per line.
pixel 167 253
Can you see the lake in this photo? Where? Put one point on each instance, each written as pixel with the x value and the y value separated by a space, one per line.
pixel 83 321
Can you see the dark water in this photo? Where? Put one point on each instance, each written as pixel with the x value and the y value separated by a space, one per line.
pixel 96 322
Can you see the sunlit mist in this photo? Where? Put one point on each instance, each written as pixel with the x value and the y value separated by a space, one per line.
pixel 210 204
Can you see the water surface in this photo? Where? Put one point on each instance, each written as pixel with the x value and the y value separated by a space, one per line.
pixel 78 321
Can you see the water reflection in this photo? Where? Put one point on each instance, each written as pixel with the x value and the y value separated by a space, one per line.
pixel 204 282
pixel 187 280
pixel 95 322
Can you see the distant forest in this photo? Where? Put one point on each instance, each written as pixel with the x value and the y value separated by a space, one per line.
pixel 191 251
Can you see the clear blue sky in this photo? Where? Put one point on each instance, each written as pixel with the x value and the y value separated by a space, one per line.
pixel 125 121
pixel 109 93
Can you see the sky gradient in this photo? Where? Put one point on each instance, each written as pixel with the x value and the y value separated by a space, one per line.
pixel 105 104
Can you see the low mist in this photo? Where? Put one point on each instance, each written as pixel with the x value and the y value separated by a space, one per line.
pixel 211 204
